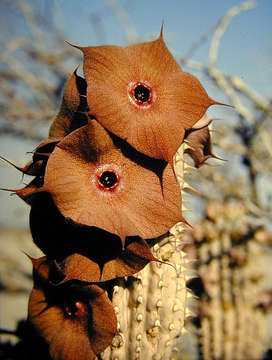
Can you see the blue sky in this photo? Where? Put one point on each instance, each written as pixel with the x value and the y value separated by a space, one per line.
pixel 246 48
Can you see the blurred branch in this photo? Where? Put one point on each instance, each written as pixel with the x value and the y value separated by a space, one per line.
pixel 31 21
pixel 222 26
pixel 223 81
pixel 198 43
pixel 122 16
pixel 259 101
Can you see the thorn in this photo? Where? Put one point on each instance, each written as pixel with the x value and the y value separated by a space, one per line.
pixel 188 147
pixel 185 209
pixel 190 262
pixel 184 331
pixel 189 278
pixel 10 163
pixel 190 295
pixel 187 188
pixel 189 313
pixel 188 167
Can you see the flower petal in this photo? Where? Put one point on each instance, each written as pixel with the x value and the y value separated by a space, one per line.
pixel 69 118
pixel 94 182
pixel 85 266
pixel 199 146
pixel 141 95
pixel 77 321
pixel 59 237
pixel 36 166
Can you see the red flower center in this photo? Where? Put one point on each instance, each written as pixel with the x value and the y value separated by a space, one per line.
pixel 107 177
pixel 141 94
pixel 75 310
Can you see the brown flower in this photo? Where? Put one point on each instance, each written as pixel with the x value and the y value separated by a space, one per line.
pixel 96 180
pixel 82 252
pixel 76 320
pixel 141 94
pixel 92 266
pixel 36 166
pixel 72 115
pixel 200 146
pixel 73 110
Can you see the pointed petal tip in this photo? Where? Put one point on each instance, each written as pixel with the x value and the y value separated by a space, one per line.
pixel 78 77
pixel 202 122
pixel 218 158
pixel 161 31
pixel 36 262
pixel 28 191
pixel 63 281
pixel 23 170
pixel 186 222
pixel 122 239
pixel 208 164
pixel 19 192
pixel 81 48
pixel 75 71
pixel 28 256
pixel 9 190
pixel 214 102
